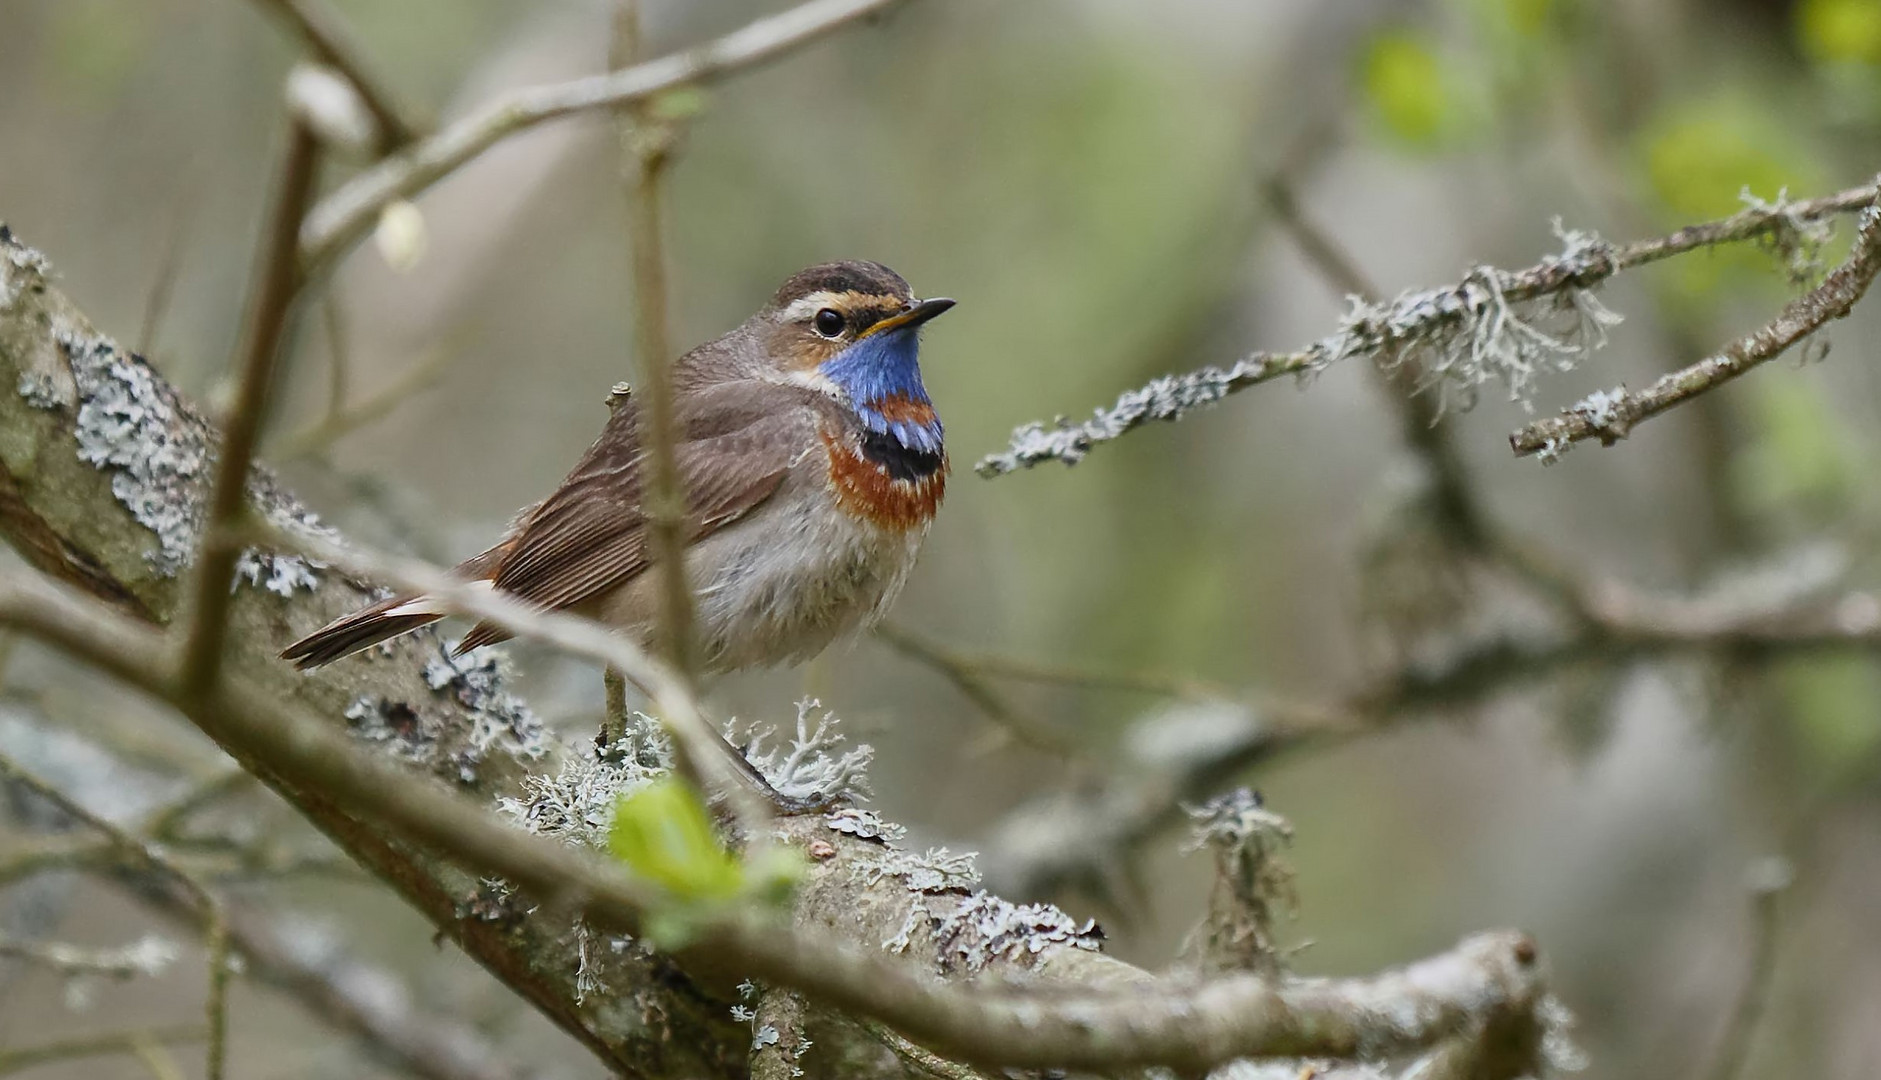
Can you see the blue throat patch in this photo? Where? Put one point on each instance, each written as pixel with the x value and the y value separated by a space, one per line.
pixel 882 369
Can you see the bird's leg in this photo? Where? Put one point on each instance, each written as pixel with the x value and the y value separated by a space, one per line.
pixel 615 740
pixel 614 727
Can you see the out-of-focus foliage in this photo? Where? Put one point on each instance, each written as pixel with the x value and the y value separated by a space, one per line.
pixel 1702 156
pixel 1840 31
pixel 1805 460
pixel 96 44
pixel 1409 91
pixel 1835 706
pixel 1702 159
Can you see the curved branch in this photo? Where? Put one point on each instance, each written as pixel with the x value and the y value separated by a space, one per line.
pixel 81 504
pixel 1611 414
pixel 347 214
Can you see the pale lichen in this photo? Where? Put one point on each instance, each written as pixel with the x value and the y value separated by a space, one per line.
pixel 815 767
pixel 490 718
pixel 160 454
pixel 1462 337
pixel 984 928
pixel 970 928
pixel 576 805
pixel 1795 240
pixel 1252 885
pixel 477 682
pixel 866 824
pixel 24 263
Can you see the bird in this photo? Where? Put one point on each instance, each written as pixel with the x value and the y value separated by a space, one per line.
pixel 812 461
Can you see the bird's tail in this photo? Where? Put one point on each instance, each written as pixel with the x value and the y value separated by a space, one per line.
pixel 361 630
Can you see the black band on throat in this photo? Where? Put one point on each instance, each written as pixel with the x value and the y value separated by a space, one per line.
pixel 901 462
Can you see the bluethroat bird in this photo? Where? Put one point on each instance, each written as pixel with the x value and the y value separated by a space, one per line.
pixel 812 463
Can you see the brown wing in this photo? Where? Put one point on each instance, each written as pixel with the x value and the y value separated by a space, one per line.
pixel 590 535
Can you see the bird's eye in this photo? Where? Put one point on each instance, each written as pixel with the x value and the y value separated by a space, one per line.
pixel 829 322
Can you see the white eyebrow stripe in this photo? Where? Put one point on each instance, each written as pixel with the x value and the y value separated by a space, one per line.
pixel 801 309
pixel 807 306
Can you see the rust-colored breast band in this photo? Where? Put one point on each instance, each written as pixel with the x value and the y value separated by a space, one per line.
pixel 865 489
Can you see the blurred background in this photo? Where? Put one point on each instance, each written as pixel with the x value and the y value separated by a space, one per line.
pixel 1093 180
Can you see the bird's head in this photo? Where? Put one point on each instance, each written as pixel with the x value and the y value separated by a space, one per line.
pixel 852 330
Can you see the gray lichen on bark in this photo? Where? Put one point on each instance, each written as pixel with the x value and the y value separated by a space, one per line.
pixel 103 472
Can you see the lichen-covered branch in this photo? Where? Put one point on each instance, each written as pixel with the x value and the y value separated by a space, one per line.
pixel 102 471
pixel 349 213
pixel 1494 326
pixel 1610 415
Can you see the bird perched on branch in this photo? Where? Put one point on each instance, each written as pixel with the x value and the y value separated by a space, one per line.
pixel 812 464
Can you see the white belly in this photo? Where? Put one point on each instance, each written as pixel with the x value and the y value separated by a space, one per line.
pixel 780 585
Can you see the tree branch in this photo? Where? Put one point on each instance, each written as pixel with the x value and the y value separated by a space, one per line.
pixel 1610 415
pixel 328 38
pixel 80 487
pixel 1468 331
pixel 346 215
pixel 276 283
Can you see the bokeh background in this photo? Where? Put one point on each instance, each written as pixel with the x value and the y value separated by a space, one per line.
pixel 1086 177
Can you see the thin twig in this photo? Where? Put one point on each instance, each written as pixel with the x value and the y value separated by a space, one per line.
pixel 207 905
pixel 965 674
pixel 1769 881
pixel 1583 267
pixel 163 286
pixel 346 215
pixel 158 1061
pixel 278 279
pixel 999 666
pixel 1055 840
pixel 647 147
pixel 327 37
pixel 320 435
pixel 147 957
pixel 1419 411
pixel 19 1059
pixel 167 823
pixel 1611 415
pixel 348 995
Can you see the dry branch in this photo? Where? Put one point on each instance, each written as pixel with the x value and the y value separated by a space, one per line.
pixel 346 215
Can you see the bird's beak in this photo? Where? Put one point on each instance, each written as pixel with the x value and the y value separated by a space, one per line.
pixel 914 316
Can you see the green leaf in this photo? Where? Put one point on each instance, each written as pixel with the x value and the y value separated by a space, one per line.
pixel 1840 31
pixel 663 833
pixel 1404 84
